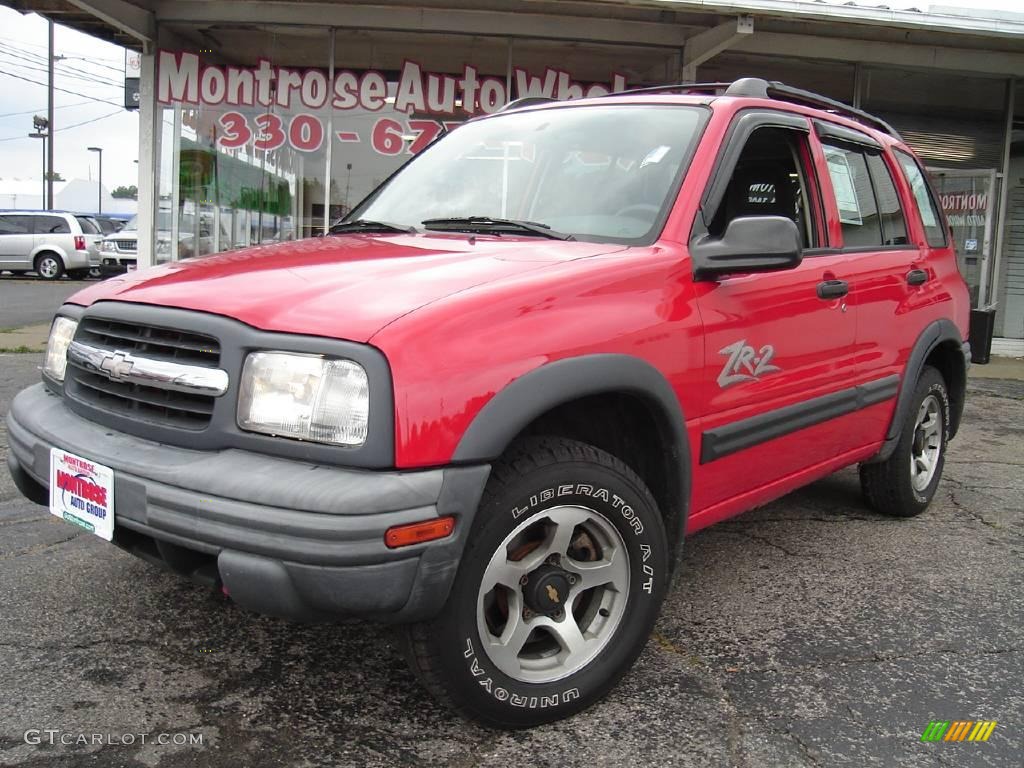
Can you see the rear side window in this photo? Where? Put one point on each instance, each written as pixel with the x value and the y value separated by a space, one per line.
pixel 87 226
pixel 15 225
pixel 935 232
pixel 52 225
pixel 869 207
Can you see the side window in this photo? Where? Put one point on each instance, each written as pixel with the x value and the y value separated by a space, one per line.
pixel 890 210
pixel 935 231
pixel 770 179
pixel 52 225
pixel 9 227
pixel 855 198
pixel 15 225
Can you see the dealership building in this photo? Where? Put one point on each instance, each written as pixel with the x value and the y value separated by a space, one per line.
pixel 265 121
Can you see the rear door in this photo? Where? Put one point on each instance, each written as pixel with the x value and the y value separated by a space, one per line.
pixel 891 275
pixel 16 241
pixel 779 347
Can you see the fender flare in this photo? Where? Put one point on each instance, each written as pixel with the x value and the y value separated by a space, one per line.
pixel 941 331
pixel 556 383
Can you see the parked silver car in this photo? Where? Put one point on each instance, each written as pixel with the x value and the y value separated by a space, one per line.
pixel 49 243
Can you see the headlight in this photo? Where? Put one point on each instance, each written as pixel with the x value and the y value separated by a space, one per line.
pixel 307 397
pixel 108 246
pixel 61 333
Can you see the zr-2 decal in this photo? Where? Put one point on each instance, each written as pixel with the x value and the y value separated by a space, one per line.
pixel 745 364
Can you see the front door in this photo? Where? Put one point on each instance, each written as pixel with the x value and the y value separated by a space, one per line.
pixel 778 346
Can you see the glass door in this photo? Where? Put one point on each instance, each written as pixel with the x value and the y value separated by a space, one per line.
pixel 969 198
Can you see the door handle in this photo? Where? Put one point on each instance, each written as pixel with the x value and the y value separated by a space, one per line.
pixel 833 289
pixel 917 277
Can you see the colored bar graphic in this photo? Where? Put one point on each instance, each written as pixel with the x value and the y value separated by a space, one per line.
pixel 935 731
pixel 958 730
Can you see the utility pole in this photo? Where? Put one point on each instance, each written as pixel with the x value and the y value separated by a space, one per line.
pixel 99 192
pixel 49 122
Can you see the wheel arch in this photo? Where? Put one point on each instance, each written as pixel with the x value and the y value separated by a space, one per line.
pixel 554 397
pixel 939 345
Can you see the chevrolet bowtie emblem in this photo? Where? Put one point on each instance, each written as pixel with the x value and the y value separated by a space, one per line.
pixel 552 594
pixel 117 366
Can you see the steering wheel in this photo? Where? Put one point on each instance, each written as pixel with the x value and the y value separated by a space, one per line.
pixel 638 208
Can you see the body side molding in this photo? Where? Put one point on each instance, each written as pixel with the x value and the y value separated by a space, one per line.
pixel 746 433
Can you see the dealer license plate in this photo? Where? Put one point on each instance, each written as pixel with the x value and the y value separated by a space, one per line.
pixel 82 492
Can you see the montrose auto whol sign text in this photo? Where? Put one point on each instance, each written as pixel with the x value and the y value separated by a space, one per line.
pixel 305 94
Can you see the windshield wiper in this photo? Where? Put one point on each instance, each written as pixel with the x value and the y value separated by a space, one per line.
pixel 489 224
pixel 365 225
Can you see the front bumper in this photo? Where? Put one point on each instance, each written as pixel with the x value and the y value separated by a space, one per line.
pixel 285 538
pixel 115 265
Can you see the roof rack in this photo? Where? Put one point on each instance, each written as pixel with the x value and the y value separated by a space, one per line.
pixel 776 90
pixel 756 87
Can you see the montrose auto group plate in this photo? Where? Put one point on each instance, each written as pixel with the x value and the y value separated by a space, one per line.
pixel 82 492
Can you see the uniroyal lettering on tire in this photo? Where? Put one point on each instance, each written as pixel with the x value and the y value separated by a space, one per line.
pixel 567 557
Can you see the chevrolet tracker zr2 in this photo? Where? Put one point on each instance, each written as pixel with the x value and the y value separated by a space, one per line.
pixel 490 403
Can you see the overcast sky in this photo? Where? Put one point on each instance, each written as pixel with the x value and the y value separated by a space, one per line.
pixel 93 73
pixel 92 77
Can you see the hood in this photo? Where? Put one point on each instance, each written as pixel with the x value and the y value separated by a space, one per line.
pixel 346 287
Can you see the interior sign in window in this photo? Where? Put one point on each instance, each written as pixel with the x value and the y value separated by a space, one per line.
pixel 842 183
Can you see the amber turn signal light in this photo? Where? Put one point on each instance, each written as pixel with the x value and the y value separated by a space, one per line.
pixel 417 533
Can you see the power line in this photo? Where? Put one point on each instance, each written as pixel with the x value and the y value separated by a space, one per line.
pixel 40 66
pixel 45 47
pixel 63 90
pixel 43 109
pixel 69 127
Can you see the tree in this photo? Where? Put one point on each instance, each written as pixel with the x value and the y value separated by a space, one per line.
pixel 126 193
pixel 54 176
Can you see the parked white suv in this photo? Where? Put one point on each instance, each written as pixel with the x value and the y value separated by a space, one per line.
pixel 49 243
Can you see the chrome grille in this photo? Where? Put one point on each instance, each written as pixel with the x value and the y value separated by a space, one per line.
pixel 131 399
pixel 127 245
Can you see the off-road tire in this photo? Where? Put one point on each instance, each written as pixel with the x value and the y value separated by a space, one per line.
pixel 537 474
pixel 886 485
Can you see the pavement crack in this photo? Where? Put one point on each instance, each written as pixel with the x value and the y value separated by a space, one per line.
pixel 767 542
pixel 38 548
pixel 805 748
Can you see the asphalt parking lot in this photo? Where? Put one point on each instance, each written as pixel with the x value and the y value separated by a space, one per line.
pixel 28 300
pixel 807 633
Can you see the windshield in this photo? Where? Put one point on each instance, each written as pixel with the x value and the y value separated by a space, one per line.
pixel 163 222
pixel 606 173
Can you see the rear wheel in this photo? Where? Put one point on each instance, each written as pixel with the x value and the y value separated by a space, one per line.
pixel 903 485
pixel 557 591
pixel 49 266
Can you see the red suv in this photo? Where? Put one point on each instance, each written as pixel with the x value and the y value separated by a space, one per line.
pixel 491 403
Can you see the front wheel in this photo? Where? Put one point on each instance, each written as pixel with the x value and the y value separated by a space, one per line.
pixel 557 591
pixel 903 485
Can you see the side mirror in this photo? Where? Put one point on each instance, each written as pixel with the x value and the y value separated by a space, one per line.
pixel 750 244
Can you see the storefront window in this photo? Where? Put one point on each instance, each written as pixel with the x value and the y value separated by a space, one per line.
pixel 246 135
pixel 269 134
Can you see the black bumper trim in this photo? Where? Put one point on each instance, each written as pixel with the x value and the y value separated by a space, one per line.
pixel 286 538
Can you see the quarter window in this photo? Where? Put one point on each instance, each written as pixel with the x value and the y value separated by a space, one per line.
pixel 935 232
